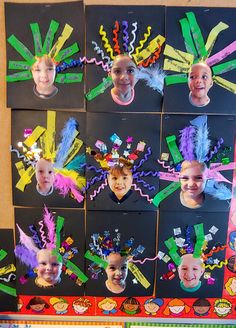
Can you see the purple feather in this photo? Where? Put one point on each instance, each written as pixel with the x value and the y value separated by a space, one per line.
pixel 27 241
pixel 26 256
pixel 187 143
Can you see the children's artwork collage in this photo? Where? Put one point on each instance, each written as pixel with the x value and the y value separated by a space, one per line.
pixel 123 160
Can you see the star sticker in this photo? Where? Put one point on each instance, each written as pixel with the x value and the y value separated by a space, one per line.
pixel 135 281
pixel 216 261
pixel 88 150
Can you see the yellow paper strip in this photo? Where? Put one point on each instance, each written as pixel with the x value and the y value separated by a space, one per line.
pixel 38 131
pixel 151 48
pixel 49 136
pixel 138 275
pixel 61 40
pixel 25 178
pixel 173 65
pixel 225 84
pixel 213 36
pixel 74 149
pixel 179 55
pixel 20 168
pixel 7 269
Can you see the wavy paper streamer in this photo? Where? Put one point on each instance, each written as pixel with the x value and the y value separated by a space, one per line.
pixel 94 180
pixel 115 38
pixel 106 45
pixel 11 277
pixel 43 236
pixel 125 35
pixel 96 192
pixel 143 160
pixel 144 260
pixel 133 32
pixel 212 267
pixel 136 188
pixel 152 59
pixel 168 167
pixel 145 184
pixel 18 154
pixel 100 52
pixel 142 42
pixel 94 61
pixel 146 174
pixel 214 250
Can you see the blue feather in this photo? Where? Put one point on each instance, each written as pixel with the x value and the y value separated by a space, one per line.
pixel 218 191
pixel 202 142
pixel 68 136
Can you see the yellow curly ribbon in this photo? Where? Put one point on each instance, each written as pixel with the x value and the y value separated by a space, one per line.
pixel 151 48
pixel 173 65
pixel 37 132
pixel 74 149
pixel 106 45
pixel 7 269
pixel 141 42
pixel 25 175
pixel 138 275
pixel 212 267
pixel 60 41
pixel 225 83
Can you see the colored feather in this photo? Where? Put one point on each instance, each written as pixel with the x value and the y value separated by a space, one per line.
pixel 153 76
pixel 202 142
pixel 68 135
pixel 66 185
pixel 187 143
pixel 26 256
pixel 50 224
pixel 27 241
pixel 77 164
pixel 218 191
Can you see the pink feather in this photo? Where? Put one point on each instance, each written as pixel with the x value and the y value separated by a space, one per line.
pixel 50 224
pixel 65 186
pixel 27 241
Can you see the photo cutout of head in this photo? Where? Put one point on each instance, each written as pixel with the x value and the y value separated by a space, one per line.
pixel 199 83
pixel 52 157
pixel 48 247
pixel 44 73
pixel 194 244
pixel 129 49
pixel 113 256
pixel 192 174
pixel 43 66
pixel 199 78
pixel 125 177
pixel 8 295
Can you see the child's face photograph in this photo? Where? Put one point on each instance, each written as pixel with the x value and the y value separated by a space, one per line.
pixel 44 72
pixel 192 179
pixel 120 181
pixel 49 269
pixel 190 271
pixel 117 272
pixel 199 82
pixel 45 176
pixel 123 74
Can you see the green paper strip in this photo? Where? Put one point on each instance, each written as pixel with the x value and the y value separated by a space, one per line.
pixel 174 79
pixel 225 67
pixel 21 49
pixel 96 259
pixel 99 89
pixel 37 39
pixel 3 254
pixel 69 78
pixel 171 244
pixel 213 36
pixel 175 257
pixel 50 37
pixel 59 226
pixel 186 32
pixel 161 195
pixel 197 35
pixel 71 266
pixel 8 290
pixel 200 239
pixel 22 65
pixel 67 52
pixel 176 155
pixel 21 76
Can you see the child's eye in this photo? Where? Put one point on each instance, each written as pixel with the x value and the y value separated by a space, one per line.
pixel 55 264
pixel 131 70
pixel 124 267
pixel 205 77
pixel 184 178
pixel 43 263
pixel 112 268
pixel 198 178
pixel 117 71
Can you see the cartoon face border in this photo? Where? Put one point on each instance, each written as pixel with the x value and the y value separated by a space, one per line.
pixel 20 94
pixel 145 16
pixel 22 120
pixel 176 97
pixel 74 222
pixel 98 222
pixel 169 221
pixel 218 127
pixel 142 128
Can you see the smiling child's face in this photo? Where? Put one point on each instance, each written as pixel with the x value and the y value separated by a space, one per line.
pixel 120 181
pixel 44 72
pixel 190 271
pixel 117 271
pixel 199 82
